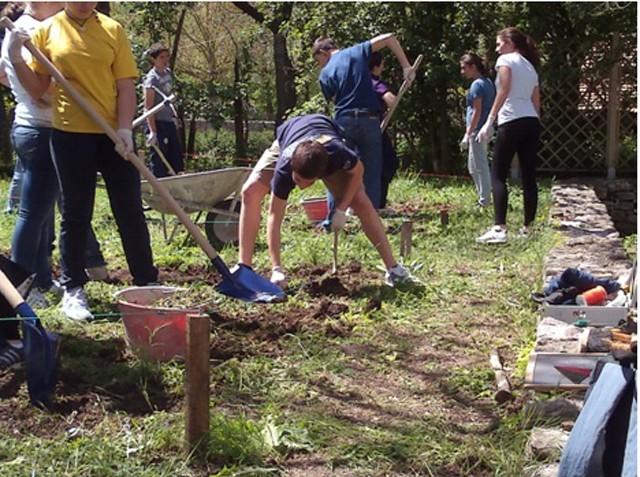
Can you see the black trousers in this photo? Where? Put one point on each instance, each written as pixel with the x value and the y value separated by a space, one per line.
pixel 520 136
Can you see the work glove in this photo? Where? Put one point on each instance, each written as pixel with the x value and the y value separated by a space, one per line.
pixel 152 139
pixel 338 220
pixel 408 74
pixel 464 143
pixel 125 144
pixel 486 131
pixel 15 41
pixel 278 277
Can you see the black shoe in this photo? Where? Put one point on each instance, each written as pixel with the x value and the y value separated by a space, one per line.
pixel 11 357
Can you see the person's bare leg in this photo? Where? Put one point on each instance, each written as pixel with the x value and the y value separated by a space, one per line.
pixel 372 227
pixel 253 192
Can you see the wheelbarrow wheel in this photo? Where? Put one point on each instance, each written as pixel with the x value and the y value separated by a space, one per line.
pixel 222 229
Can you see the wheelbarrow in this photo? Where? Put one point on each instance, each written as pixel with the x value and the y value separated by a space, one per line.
pixel 215 192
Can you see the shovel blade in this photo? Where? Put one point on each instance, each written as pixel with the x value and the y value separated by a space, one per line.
pixel 245 284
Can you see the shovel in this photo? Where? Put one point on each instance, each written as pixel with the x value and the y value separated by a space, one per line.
pixel 40 346
pixel 243 283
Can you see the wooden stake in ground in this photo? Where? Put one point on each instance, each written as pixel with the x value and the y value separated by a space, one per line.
pixel 197 384
pixel 335 253
pixel 406 230
pixel 503 394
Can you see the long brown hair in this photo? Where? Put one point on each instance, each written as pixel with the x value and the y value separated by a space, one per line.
pixel 475 60
pixel 523 43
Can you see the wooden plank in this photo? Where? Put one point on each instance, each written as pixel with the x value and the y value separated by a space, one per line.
pixel 595 315
pixel 197 384
pixel 563 371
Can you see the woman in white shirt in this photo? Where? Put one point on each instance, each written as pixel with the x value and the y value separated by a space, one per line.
pixel 517 108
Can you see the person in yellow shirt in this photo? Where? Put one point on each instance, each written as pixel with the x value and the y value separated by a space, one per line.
pixel 92 51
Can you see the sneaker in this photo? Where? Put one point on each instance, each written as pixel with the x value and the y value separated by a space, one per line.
pixel 11 357
pixel 495 234
pixel 75 304
pixel 36 299
pixel 56 289
pixel 398 275
pixel 524 232
pixel 98 274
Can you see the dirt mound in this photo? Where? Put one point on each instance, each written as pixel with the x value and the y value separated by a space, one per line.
pixel 263 331
pixel 348 281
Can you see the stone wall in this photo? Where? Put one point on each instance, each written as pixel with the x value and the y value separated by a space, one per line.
pixel 621 198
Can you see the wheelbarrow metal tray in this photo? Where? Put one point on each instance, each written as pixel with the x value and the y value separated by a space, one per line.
pixel 197 191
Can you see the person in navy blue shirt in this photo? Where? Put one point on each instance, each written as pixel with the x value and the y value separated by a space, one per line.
pixel 478 101
pixel 308 148
pixel 386 99
pixel 345 80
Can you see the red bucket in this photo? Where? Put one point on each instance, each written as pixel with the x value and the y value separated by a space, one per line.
pixel 316 209
pixel 159 334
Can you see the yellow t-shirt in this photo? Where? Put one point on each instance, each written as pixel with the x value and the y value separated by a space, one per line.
pixel 92 57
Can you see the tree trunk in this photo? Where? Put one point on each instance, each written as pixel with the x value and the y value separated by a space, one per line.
pixel 285 75
pixel 176 39
pixel 238 114
pixel 285 78
pixel 191 141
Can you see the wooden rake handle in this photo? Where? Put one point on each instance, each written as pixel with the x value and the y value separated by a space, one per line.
pixel 162 191
pixel 403 88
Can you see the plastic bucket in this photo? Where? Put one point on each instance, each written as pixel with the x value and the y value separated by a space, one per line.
pixel 316 209
pixel 158 334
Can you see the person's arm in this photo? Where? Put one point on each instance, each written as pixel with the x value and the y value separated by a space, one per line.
pixel 475 116
pixel 34 83
pixel 388 40
pixel 535 99
pixel 486 131
pixel 504 74
pixel 126 90
pixel 277 208
pixel 389 99
pixel 354 183
pixel 149 102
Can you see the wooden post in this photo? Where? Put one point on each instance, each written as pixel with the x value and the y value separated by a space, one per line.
pixel 444 216
pixel 406 230
pixel 197 383
pixel 503 394
pixel 613 110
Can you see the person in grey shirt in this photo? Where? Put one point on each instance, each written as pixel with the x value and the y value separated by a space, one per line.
pixel 161 127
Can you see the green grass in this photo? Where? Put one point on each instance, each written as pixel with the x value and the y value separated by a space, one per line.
pixel 407 392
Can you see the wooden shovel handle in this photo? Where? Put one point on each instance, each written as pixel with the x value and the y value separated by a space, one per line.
pixel 109 131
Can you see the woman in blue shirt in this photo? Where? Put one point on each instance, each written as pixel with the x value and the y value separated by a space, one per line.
pixel 478 104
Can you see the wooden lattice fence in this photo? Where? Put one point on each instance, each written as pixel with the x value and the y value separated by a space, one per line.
pixel 589 107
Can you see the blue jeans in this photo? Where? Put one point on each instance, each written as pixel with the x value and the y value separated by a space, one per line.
pixel 31 242
pixel 169 145
pixel 78 157
pixel 478 165
pixel 15 187
pixel 363 132
pixel 585 453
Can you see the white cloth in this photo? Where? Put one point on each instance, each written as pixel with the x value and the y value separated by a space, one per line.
pixel 523 80
pixel 28 112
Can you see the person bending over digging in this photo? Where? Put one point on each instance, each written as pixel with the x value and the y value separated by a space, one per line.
pixel 308 148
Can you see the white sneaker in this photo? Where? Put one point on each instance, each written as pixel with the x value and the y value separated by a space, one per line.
pixel 36 299
pixel 495 234
pixel 278 277
pixel 75 304
pixel 398 275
